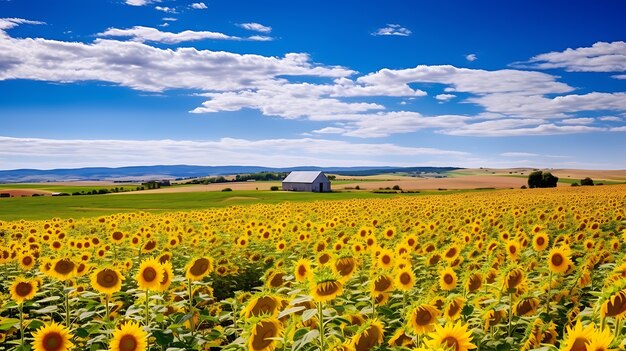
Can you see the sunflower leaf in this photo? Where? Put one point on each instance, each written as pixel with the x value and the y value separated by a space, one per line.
pixel 308 314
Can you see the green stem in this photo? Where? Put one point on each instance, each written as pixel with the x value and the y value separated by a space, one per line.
pixel 106 305
pixel 549 288
pixel 67 308
pixel 147 307
pixel 618 328
pixel 189 291
pixel 21 311
pixel 321 325
pixel 510 311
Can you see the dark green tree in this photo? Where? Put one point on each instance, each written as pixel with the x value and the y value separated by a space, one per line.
pixel 586 181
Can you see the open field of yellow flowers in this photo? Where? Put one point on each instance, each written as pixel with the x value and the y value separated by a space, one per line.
pixel 502 270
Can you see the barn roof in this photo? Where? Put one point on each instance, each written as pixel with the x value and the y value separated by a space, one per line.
pixel 302 177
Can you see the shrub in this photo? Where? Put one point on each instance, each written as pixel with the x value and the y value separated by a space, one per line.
pixel 227 189
pixel 586 182
pixel 575 184
pixel 274 188
pixel 523 187
pixel 539 179
pixel 396 187
pixel 357 187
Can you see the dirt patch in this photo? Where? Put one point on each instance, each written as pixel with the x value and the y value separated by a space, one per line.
pixel 465 182
pixel 210 187
pixel 23 192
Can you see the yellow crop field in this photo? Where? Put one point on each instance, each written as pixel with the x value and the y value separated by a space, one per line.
pixel 500 270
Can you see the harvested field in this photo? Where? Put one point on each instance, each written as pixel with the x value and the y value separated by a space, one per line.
pixel 24 192
pixel 465 182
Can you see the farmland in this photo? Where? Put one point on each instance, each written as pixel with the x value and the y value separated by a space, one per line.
pixel 494 270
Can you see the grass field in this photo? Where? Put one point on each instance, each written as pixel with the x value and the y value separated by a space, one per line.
pixel 30 208
pixel 65 188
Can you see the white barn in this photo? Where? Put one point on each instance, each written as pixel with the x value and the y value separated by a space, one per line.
pixel 314 181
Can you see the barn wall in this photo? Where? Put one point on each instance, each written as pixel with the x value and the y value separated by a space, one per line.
pixel 297 187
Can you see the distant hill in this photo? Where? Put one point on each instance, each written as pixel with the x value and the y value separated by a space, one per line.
pixel 138 173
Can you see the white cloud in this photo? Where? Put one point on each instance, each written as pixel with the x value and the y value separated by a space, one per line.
pixel 618 129
pixel 330 130
pixel 445 97
pixel 165 9
pixel 170 19
pixel 392 29
pixel 140 2
pixel 471 57
pixel 518 154
pixel 141 34
pixel 600 57
pixel 52 153
pixel 8 23
pixel 619 76
pixel 147 68
pixel 259 38
pixel 257 27
pixel 610 119
pixel 542 129
pixel 578 121
pixel 198 6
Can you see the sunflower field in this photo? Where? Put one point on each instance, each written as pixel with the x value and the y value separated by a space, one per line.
pixel 498 270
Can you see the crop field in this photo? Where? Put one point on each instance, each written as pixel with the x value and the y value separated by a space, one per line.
pixel 496 270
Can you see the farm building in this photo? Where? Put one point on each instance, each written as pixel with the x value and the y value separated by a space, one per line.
pixel 314 181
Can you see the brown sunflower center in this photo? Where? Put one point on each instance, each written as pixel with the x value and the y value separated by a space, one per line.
pixel 423 317
pixel 451 342
pixel 165 279
pixel 580 344
pixel 540 241
pixel 52 341
pixel 451 253
pixel 117 236
pixel 475 283
pixel 405 278
pixel 107 278
pixel 448 279
pixel 328 288
pixel 324 258
pixel 557 259
pixel 149 274
pixel 514 279
pixel 277 280
pixel 261 339
pixel 263 305
pixel 301 270
pixel 27 260
pixel 616 306
pixel 64 267
pixel 199 267
pixel 345 266
pixel 23 288
pixel 383 283
pixel 386 259
pixel 128 343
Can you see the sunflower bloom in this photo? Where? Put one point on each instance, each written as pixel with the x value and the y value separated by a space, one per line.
pixel 558 259
pixel 106 281
pixel 451 336
pixel 263 333
pixel 199 268
pixel 369 336
pixel 129 337
pixel 447 279
pixel 578 337
pixel 421 319
pixel 23 290
pixel 52 337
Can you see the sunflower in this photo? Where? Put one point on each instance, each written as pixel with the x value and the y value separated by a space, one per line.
pixel 27 261
pixel 302 270
pixel 600 341
pixel 453 310
pixel 199 268
pixel 451 336
pixel 168 275
pixel 493 317
pixel 558 259
pixel 52 337
pixel 577 338
pixel 381 283
pixel 23 289
pixel 474 282
pixel 106 281
pixel 263 334
pixel 513 250
pixel 368 336
pixel 129 337
pixel 385 258
pixel 262 305
pixel 526 306
pixel 447 279
pixel 452 253
pixel 62 269
pixel 615 305
pixel 326 290
pixel 117 237
pixel 513 278
pixel 540 241
pixel 150 274
pixel 345 266
pixel 399 338
pixel 422 318
pixel 405 279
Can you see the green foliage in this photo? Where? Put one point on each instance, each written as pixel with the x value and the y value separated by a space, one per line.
pixel 274 188
pixel 586 182
pixel 539 179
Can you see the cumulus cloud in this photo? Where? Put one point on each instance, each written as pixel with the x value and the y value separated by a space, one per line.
pixel 165 9
pixel 198 6
pixel 8 23
pixel 445 97
pixel 142 34
pixel 600 57
pixel 392 29
pixel 471 57
pixel 50 153
pixel 257 27
pixel 140 2
pixel 477 129
pixel 610 119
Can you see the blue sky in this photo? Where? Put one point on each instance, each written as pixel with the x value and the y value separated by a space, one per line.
pixel 325 83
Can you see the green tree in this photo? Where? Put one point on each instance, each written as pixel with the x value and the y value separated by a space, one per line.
pixel 587 181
